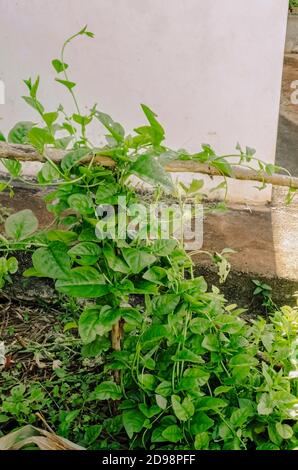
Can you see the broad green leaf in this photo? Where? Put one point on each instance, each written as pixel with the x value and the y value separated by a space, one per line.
pixel 137 259
pixel 284 430
pixel 265 405
pixel 12 264
pixel 149 412
pixel 50 118
pixel 165 304
pixel 80 203
pixel 147 168
pixel 229 323
pixel 115 262
pixel 189 384
pixel 161 401
pixel 48 173
pixel 239 417
pixel 249 405
pixel 223 166
pixel 18 134
pixel 200 374
pixel 100 345
pixel 69 128
pixel 105 192
pixel 89 320
pixel 222 389
pixel 164 388
pixel 39 137
pixel 132 316
pixel 199 326
pixel 115 129
pixel 274 436
pixel 241 365
pixel 13 166
pixel 193 188
pixel 147 381
pixel 211 343
pixel 59 66
pixel 61 236
pixel 202 441
pixel 63 142
pixel 96 320
pixel 156 274
pixel 71 325
pixel 173 433
pixel 87 235
pixel 31 272
pixel 20 225
pixel 154 334
pixel 194 285
pixel 188 356
pixel 210 403
pixel 233 444
pixel 157 436
pixel 83 282
pixel 183 410
pixel 200 422
pixel 52 261
pixel 133 422
pixel 3 266
pixel 73 157
pixel 144 287
pixel 92 433
pixel 69 85
pixel 2 137
pixel 82 120
pixel 107 391
pixel 163 247
pixel 85 253
pixel 4 418
pixel 107 318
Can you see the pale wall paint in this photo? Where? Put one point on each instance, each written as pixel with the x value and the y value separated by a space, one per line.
pixel 211 70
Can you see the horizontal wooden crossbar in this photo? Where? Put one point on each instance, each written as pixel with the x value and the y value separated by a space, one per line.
pixel 26 153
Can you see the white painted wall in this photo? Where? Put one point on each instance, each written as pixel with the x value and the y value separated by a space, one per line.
pixel 211 70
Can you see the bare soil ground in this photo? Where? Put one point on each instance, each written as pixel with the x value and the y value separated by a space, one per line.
pixel 287 140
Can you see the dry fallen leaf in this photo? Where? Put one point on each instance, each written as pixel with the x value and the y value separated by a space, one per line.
pixel 44 440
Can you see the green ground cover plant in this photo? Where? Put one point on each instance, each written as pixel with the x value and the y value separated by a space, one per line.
pixel 179 367
pixel 293 4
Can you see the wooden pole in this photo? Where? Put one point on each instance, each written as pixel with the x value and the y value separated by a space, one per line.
pixel 26 153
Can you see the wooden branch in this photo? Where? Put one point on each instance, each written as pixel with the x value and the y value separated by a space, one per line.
pixel 239 173
pixel 27 153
